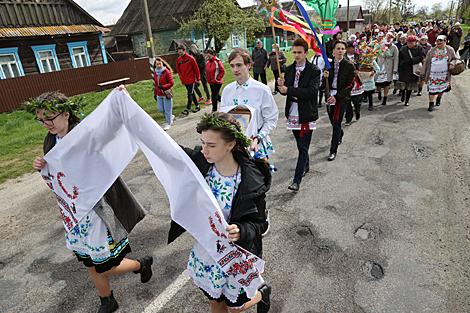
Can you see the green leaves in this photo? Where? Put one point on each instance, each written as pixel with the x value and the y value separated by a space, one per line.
pixel 218 18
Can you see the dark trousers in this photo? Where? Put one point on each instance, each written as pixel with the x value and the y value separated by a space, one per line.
pixel 204 85
pixel 191 96
pixel 276 76
pixel 357 101
pixel 215 89
pixel 321 91
pixel 303 144
pixel 263 77
pixel 337 131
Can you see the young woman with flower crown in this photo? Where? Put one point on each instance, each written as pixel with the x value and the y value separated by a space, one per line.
pixel 239 184
pixel 99 240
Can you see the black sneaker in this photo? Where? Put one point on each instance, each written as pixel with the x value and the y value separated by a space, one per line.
pixel 265 303
pixel 185 112
pixel 294 187
pixel 145 269
pixel 109 304
pixel 197 109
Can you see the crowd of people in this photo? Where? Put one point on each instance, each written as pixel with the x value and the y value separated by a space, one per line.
pixel 233 158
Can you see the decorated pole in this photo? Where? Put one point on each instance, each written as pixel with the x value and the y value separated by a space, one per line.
pixel 271 6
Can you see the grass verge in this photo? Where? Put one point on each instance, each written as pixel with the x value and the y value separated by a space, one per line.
pixel 21 138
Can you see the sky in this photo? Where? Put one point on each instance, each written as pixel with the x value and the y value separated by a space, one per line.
pixel 109 11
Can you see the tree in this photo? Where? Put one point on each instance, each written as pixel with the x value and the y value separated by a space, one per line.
pixel 375 8
pixel 422 13
pixel 218 18
pixel 405 7
pixel 436 10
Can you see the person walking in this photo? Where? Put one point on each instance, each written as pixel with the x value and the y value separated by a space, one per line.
pixel 423 42
pixel 188 71
pixel 163 78
pixel 201 63
pixel 272 61
pixel 317 59
pixel 239 185
pixel 215 71
pixel 340 78
pixel 454 37
pixel 260 58
pixel 369 85
pixel 300 85
pixel 388 64
pixel 408 56
pixel 356 98
pixel 432 35
pixel 436 70
pixel 98 240
pixel 465 51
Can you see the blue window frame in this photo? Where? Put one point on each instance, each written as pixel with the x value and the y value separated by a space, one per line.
pixel 103 50
pixel 193 35
pixel 79 54
pixel 46 58
pixel 235 39
pixel 10 64
pixel 143 47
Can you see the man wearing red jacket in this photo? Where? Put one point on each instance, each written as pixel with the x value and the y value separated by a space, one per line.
pixel 188 71
pixel 215 71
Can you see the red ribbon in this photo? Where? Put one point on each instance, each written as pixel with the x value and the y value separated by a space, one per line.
pixel 304 128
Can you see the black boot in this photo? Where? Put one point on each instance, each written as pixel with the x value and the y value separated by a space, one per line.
pixel 438 101
pixel 420 91
pixel 402 93
pixel 384 102
pixel 265 304
pixel 407 98
pixel 108 304
pixel 431 106
pixel 371 107
pixel 394 91
pixel 380 95
pixel 145 269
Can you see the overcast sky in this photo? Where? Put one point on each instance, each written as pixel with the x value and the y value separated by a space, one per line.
pixel 109 11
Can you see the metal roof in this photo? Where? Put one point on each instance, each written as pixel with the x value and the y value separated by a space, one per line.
pixel 161 14
pixel 29 13
pixel 46 31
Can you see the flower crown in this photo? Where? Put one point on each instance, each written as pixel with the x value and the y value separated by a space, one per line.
pixel 72 106
pixel 215 121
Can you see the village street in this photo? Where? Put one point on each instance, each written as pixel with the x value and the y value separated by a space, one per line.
pixel 383 228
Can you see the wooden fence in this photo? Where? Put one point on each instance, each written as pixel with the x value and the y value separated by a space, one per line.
pixel 13 91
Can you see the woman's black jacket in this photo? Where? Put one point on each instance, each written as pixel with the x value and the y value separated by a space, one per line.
pixel 248 206
pixel 405 63
pixel 306 93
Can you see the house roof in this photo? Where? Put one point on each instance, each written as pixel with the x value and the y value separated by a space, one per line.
pixel 161 14
pixel 355 13
pixel 29 13
pixel 47 31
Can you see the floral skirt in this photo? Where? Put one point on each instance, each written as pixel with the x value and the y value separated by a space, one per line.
pixel 117 254
pixel 209 277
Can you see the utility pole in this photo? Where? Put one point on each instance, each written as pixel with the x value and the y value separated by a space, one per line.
pixel 347 27
pixel 390 14
pixel 148 31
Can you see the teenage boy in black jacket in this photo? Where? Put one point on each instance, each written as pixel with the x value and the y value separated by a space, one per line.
pixel 300 85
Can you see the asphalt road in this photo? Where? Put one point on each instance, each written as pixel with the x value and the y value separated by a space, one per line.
pixel 383 228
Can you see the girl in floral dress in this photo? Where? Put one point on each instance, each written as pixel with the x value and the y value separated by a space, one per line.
pixel 99 240
pixel 436 70
pixel 232 176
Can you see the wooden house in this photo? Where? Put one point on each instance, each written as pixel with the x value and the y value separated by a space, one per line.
pixel 41 36
pixel 162 14
pixel 356 18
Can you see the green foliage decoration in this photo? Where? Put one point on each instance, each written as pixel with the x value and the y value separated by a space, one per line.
pixel 215 121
